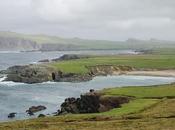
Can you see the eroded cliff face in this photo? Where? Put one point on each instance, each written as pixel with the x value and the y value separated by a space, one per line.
pixel 17 44
pixel 109 69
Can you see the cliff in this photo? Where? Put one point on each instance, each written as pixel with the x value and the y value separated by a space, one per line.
pixel 17 44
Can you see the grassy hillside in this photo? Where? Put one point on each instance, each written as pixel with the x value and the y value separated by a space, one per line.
pixel 92 44
pixel 142 113
pixel 82 43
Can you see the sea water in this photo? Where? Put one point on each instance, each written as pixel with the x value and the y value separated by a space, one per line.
pixel 18 97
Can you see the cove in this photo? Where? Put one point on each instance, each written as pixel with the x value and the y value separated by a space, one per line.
pixel 18 97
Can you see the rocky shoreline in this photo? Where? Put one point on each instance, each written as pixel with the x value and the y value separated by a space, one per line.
pixel 91 102
pixel 38 73
pixel 43 72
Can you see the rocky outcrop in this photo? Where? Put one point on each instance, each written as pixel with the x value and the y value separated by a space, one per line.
pixel 70 57
pixel 35 109
pixel 29 74
pixel 91 102
pixel 44 61
pixel 41 73
pixel 12 115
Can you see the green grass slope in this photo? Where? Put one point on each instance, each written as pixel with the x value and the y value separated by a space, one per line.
pixel 136 61
pixel 143 92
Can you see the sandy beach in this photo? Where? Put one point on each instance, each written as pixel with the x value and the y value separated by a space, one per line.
pixel 164 73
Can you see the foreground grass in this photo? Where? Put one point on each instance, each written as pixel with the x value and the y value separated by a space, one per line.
pixel 136 61
pixel 159 91
pixel 132 107
pixel 164 109
pixel 144 112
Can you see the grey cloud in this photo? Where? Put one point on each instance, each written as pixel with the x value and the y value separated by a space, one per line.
pixel 101 19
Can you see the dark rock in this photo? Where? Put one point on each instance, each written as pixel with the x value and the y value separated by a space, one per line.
pixel 29 74
pixel 41 115
pixel 70 57
pixel 41 73
pixel 69 106
pixel 58 112
pixel 12 115
pixel 88 103
pixel 35 109
pixel 91 90
pixel 91 102
pixel 30 113
pixel 44 61
pixel 71 77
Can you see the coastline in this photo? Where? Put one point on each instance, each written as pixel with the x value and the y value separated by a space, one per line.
pixel 85 92
pixel 144 106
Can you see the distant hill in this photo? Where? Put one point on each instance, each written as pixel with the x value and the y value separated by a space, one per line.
pixel 24 42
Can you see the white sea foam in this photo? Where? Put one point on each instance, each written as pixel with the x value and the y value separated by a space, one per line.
pixel 8 83
pixel 10 52
pixel 49 82
pixel 2 78
pixel 33 62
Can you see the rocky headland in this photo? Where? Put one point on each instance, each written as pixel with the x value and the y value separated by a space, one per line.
pixel 43 72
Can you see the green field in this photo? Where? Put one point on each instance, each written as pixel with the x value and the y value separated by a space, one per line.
pixel 143 92
pixel 132 107
pixel 136 61
pixel 146 111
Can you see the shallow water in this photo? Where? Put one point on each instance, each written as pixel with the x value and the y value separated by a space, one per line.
pixel 18 97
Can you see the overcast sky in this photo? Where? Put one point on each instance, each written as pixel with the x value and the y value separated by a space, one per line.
pixel 94 19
